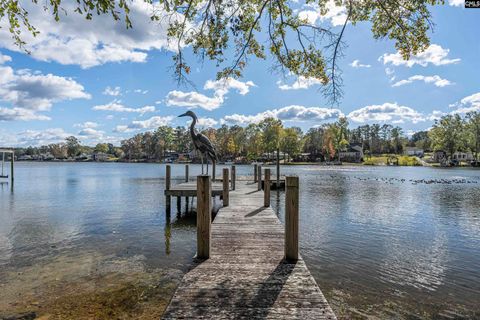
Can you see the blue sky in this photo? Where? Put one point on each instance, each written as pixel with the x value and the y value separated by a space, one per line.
pixel 100 82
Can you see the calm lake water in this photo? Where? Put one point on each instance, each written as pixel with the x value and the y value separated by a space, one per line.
pixel 91 240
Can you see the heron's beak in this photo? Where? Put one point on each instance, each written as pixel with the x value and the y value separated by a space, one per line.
pixel 182 115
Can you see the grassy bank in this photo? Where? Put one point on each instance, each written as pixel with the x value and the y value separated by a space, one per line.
pixel 382 160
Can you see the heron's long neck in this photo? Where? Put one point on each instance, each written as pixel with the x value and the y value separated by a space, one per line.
pixel 192 126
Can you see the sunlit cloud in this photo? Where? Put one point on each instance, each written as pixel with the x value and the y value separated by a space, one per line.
pixel 434 55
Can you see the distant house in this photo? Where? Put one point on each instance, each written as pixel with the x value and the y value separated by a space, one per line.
pixel 47 156
pixel 100 156
pixel 354 153
pixel 414 151
pixel 439 156
pixel 184 157
pixel 463 156
pixel 83 157
pixel 24 158
pixel 302 157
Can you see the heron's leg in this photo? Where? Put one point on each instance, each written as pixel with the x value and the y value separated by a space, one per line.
pixel 201 157
pixel 206 158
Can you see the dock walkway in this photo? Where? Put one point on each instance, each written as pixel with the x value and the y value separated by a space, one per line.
pixel 246 276
pixel 189 189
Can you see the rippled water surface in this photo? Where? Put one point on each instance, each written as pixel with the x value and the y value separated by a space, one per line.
pixel 87 240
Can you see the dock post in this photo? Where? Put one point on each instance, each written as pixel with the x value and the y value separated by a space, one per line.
pixel 12 171
pixel 204 216
pixel 214 169
pixel 226 186
pixel 291 219
pixel 179 205
pixel 278 168
pixel 255 169
pixel 167 187
pixel 266 188
pixel 186 180
pixel 234 177
pixel 259 177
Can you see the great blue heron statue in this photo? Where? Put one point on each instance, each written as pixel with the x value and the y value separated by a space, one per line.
pixel 201 143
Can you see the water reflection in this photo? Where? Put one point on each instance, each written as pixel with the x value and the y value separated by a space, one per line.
pixel 382 237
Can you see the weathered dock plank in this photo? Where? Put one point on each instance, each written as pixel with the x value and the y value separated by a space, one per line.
pixel 189 189
pixel 246 276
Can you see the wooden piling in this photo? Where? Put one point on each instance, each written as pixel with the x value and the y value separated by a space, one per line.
pixel 214 169
pixel 291 218
pixel 167 187
pixel 259 177
pixel 278 167
pixel 266 188
pixel 204 216
pixel 179 204
pixel 255 169
pixel 234 177
pixel 186 180
pixel 226 188
pixel 12 171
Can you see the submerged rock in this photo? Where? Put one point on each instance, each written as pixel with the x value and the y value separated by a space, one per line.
pixel 22 316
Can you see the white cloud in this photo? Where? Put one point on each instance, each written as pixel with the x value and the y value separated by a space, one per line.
pixel 140 91
pixel 221 88
pixel 4 58
pixel 207 122
pixel 193 100
pixel 151 123
pixel 40 137
pixel 357 64
pixel 91 133
pixel 435 114
pixel 436 80
pixel 28 90
pixel 16 114
pixel 434 54
pixel 289 113
pixel 473 99
pixel 26 138
pixel 112 91
pixel 389 71
pixel 242 119
pixel 75 41
pixel 335 14
pixel 456 3
pixel 391 112
pixel 470 103
pixel 116 106
pixel 300 83
pixel 31 92
pixel 86 125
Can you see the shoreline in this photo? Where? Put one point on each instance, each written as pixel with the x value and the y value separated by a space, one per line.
pixel 320 164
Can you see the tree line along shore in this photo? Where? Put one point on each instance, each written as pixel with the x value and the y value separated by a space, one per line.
pixel 452 140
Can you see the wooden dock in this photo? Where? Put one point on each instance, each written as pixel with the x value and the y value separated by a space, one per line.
pixel 246 275
pixel 189 189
